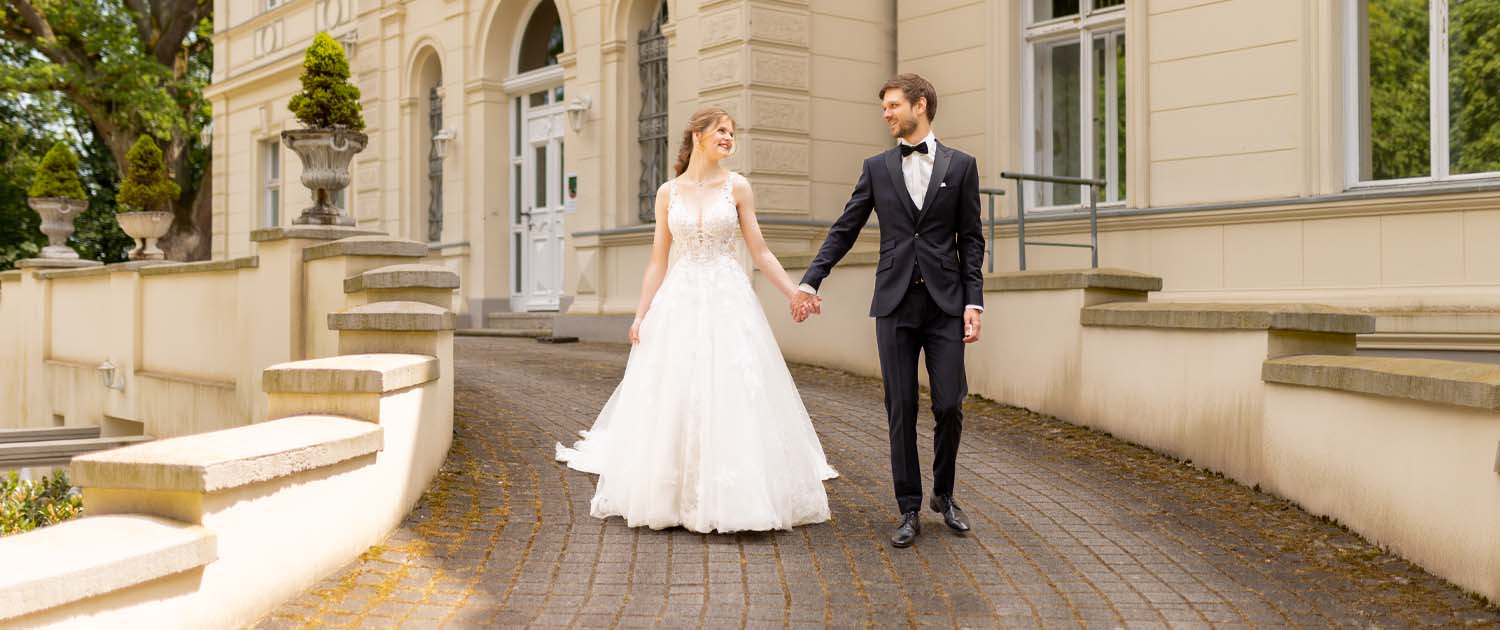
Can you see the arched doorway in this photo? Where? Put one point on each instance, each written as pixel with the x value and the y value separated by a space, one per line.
pixel 536 162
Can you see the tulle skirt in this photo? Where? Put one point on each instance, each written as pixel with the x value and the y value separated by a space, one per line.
pixel 706 429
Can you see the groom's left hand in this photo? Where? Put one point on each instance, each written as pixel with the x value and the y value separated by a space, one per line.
pixel 971 325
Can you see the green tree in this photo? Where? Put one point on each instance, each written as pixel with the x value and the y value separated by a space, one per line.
pixel 1474 75
pixel 1399 105
pixel 327 98
pixel 20 151
pixel 128 68
pixel 146 186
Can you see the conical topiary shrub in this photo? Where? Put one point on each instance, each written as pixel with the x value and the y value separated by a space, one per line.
pixel 146 185
pixel 144 197
pixel 327 98
pixel 57 195
pixel 58 175
pixel 329 105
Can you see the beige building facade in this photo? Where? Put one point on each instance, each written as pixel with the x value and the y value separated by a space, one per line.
pixel 1246 147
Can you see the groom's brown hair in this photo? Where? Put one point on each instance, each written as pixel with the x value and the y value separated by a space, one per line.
pixel 914 87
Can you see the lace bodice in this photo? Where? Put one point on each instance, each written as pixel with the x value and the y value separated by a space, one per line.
pixel 707 233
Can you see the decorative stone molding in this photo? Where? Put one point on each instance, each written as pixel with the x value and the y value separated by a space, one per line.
pixel 777 69
pixel 720 27
pixel 328 14
pixel 269 39
pixel 779 113
pixel 780 156
pixel 719 70
pixel 779 26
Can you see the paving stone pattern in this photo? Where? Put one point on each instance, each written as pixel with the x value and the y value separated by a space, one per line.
pixel 1072 529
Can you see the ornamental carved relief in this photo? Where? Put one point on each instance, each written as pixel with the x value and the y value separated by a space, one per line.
pixel 779 70
pixel 785 114
pixel 779 26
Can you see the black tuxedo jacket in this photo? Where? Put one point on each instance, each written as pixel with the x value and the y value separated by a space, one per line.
pixel 944 239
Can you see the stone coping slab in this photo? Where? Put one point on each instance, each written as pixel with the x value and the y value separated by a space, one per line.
pixel 1042 280
pixel 408 276
pixel 94 555
pixel 1459 383
pixel 368 245
pixel 104 270
pixel 207 266
pixel 312 232
pixel 16 453
pixel 351 373
pixel 396 316
pixel 10 275
pixel 56 263
pixel 220 460
pixel 1295 317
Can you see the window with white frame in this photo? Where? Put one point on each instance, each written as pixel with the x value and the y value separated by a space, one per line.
pixel 271 4
pixel 1424 90
pixel 270 201
pixel 1075 72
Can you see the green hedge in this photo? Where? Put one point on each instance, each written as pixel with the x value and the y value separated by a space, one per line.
pixel 327 98
pixel 146 185
pixel 27 505
pixel 58 175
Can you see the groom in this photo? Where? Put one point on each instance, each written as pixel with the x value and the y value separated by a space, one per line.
pixel 929 291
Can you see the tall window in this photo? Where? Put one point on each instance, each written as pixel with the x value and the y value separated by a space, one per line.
pixel 1425 89
pixel 1076 73
pixel 270 200
pixel 652 134
pixel 434 167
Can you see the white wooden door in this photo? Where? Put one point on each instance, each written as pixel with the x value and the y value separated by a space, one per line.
pixel 537 215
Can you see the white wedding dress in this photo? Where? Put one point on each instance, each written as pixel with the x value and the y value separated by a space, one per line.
pixel 706 429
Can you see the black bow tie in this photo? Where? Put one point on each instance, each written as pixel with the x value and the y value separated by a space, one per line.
pixel 906 149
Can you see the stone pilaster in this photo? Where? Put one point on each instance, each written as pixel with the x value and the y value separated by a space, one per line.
pixel 755 62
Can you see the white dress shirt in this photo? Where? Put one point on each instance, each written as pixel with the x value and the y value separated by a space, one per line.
pixel 916 170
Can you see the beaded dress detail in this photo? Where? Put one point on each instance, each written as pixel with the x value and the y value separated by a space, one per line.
pixel 706 429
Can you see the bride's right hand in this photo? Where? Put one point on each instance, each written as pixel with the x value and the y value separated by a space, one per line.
pixel 635 331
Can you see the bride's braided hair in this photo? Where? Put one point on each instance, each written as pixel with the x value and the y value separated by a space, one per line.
pixel 703 120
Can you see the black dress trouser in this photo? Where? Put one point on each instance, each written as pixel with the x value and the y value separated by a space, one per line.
pixel 918 325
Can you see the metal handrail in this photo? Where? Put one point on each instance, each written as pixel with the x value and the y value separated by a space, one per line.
pixel 1093 186
pixel 991 193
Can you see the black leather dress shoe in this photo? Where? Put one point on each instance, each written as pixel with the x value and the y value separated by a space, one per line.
pixel 906 532
pixel 952 515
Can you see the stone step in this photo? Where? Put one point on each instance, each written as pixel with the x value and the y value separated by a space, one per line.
pixel 400 316
pixel 43 434
pixel 397 277
pixel 23 454
pixel 521 324
pixel 374 245
pixel 492 332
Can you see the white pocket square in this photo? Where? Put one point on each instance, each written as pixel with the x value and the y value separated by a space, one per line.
pixel 942 184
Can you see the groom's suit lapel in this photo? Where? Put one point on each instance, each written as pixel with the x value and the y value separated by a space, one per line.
pixel 939 168
pixel 893 166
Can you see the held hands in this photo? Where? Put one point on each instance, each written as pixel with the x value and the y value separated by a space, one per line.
pixel 805 305
pixel 971 325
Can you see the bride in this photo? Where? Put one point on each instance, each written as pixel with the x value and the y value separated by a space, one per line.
pixel 706 430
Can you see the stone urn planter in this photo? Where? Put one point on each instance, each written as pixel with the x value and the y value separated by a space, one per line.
pixel 58 214
pixel 325 154
pixel 146 228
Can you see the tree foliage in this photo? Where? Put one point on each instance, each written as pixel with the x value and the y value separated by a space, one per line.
pixel 125 68
pixel 327 98
pixel 58 175
pixel 1474 40
pixel 146 186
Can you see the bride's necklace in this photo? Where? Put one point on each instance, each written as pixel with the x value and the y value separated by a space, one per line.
pixel 700 183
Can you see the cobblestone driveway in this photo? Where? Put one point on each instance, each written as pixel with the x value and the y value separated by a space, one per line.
pixel 1071 529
